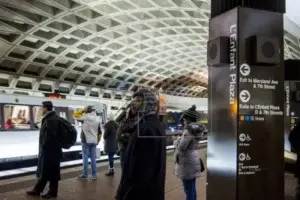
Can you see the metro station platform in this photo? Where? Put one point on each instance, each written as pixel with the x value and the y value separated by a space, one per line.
pixel 105 187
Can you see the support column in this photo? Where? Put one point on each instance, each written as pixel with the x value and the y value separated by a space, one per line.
pixel 246 104
pixel 292 99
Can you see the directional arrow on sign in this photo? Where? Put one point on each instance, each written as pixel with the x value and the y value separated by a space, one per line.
pixel 245 69
pixel 242 157
pixel 242 137
pixel 245 96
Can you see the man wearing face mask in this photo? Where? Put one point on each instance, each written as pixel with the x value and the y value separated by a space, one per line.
pixel 50 154
pixel 89 140
pixel 144 169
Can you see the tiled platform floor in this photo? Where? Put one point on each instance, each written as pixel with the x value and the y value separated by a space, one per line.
pixel 105 187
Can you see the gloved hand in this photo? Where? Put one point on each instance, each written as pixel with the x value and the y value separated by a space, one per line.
pixel 78 113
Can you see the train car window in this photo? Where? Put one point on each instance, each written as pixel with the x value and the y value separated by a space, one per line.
pixel 16 117
pixel 37 116
pixel 62 112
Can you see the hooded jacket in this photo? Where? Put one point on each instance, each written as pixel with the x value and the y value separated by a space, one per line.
pixel 90 128
pixel 186 157
pixel 110 136
pixel 144 170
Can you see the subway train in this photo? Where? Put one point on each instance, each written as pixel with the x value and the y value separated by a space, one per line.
pixel 20 119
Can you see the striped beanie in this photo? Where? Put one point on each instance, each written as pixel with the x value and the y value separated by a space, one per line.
pixel 190 114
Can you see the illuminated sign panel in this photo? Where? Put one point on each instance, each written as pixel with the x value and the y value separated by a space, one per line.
pixel 54 96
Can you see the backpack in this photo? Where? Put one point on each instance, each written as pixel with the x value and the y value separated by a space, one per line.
pixel 68 133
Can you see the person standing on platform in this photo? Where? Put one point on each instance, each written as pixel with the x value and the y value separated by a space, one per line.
pixel 294 139
pixel 144 172
pixel 50 154
pixel 89 140
pixel 187 159
pixel 127 127
pixel 110 143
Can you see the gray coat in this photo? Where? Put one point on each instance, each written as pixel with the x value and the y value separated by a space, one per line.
pixel 110 137
pixel 187 160
pixel 90 128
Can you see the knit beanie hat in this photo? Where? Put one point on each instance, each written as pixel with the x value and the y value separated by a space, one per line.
pixel 190 114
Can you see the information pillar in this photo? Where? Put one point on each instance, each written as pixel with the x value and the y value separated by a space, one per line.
pixel 246 106
pixel 292 98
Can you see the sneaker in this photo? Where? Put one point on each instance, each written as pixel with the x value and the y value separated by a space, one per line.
pixel 94 177
pixel 82 177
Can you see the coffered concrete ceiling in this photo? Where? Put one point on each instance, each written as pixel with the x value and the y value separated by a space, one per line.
pixel 94 47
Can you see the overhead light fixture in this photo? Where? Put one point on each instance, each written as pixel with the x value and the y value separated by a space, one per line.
pixel 45 30
pixel 74 51
pixel 55 46
pixel 33 40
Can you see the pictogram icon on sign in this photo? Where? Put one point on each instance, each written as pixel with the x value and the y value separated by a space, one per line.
pixel 248 138
pixel 245 96
pixel 244 137
pixel 245 69
pixel 248 157
pixel 242 157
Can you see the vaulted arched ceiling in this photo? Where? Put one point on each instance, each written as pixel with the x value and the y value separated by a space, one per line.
pixel 90 47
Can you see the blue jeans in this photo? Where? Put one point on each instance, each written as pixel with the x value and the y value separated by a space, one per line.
pixel 111 159
pixel 89 151
pixel 122 159
pixel 190 189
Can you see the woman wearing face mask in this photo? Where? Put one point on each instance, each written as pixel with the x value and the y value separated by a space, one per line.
pixel 187 160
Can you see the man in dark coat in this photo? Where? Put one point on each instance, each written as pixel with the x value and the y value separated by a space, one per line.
pixel 110 143
pixel 50 154
pixel 144 172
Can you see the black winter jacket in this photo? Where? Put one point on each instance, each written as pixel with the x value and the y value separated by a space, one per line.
pixel 50 152
pixel 124 133
pixel 144 172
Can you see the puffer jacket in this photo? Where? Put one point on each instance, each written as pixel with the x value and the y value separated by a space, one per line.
pixel 90 128
pixel 186 157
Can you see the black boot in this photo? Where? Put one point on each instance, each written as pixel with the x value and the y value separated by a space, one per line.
pixel 110 172
pixel 49 196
